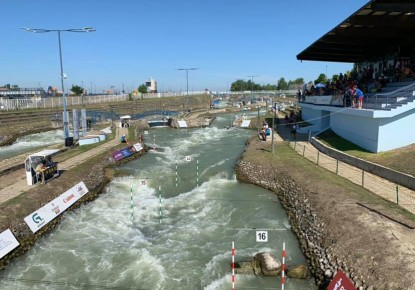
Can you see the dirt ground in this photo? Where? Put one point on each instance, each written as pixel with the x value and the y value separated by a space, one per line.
pixel 372 246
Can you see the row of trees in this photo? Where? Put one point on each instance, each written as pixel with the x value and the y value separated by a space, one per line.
pixel 282 84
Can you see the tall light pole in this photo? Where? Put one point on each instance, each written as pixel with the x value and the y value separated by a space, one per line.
pixel 187 84
pixel 63 76
pixel 252 84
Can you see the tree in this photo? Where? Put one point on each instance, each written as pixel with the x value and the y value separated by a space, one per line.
pixel 77 90
pixel 282 84
pixel 322 78
pixel 238 86
pixel 143 89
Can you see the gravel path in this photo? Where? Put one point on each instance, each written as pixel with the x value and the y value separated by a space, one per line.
pixel 14 183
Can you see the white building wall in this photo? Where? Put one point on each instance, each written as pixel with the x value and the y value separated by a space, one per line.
pixel 397 131
pixel 312 116
pixel 359 130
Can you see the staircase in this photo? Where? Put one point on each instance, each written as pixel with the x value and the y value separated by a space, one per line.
pixel 393 95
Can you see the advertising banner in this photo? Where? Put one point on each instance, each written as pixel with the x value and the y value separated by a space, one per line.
pixel 128 151
pixel 117 155
pixel 48 212
pixel 341 282
pixel 138 147
pixel 123 153
pixel 7 242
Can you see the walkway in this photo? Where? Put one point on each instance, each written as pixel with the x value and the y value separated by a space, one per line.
pixel 393 192
pixel 14 183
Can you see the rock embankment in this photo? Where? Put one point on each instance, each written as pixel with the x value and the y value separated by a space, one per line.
pixel 95 180
pixel 304 219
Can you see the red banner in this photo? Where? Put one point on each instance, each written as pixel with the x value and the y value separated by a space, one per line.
pixel 341 282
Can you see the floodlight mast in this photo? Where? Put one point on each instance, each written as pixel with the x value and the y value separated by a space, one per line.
pixel 63 76
pixel 187 84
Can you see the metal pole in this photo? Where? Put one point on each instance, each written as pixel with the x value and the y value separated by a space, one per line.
pixel 258 119
pixel 187 90
pixel 272 133
pixel 363 178
pixel 397 195
pixel 65 117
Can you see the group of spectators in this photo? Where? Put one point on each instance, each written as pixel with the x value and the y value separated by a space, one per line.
pixel 368 78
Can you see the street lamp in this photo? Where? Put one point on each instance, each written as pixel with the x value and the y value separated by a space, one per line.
pixel 187 84
pixel 63 76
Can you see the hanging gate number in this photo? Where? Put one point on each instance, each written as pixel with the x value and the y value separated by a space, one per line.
pixel 262 236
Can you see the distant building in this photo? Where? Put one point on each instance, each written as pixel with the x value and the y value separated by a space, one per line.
pixel 151 86
pixel 14 92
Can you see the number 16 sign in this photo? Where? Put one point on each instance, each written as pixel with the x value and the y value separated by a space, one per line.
pixel 262 236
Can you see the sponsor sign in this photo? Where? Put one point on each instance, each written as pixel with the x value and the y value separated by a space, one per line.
pixel 117 155
pixel 138 147
pixel 36 220
pixel 7 242
pixel 341 282
pixel 245 123
pixel 123 153
pixel 128 151
pixel 182 124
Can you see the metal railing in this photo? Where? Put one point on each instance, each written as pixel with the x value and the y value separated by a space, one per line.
pixel 56 102
pixel 393 192
pixel 391 100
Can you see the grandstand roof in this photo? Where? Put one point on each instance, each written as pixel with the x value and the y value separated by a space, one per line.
pixel 379 28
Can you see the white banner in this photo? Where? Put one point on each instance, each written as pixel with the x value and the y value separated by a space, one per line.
pixel 138 147
pixel 7 242
pixel 48 212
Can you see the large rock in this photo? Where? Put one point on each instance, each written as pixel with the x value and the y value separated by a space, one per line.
pixel 270 266
pixel 298 272
pixel 244 268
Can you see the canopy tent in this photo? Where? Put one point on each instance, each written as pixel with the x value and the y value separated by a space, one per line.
pixel 379 28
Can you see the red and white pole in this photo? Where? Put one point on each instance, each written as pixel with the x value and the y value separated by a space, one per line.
pixel 283 266
pixel 233 265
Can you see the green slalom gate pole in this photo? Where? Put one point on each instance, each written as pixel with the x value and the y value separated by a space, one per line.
pixel 176 172
pixel 160 208
pixel 197 173
pixel 131 199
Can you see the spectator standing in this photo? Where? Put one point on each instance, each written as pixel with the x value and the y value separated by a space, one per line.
pixel 359 96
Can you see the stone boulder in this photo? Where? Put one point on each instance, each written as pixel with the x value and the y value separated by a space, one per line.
pixel 298 272
pixel 270 266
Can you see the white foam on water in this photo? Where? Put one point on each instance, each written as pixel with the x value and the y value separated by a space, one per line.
pixel 31 142
pixel 191 246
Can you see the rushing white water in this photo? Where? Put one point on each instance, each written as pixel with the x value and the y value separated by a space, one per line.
pixel 31 142
pixel 182 242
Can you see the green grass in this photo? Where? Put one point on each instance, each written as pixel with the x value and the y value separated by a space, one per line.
pixel 286 159
pixel 401 159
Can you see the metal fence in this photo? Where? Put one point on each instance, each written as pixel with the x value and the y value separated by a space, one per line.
pixel 393 192
pixel 56 102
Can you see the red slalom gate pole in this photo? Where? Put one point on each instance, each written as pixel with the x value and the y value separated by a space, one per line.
pixel 233 265
pixel 283 266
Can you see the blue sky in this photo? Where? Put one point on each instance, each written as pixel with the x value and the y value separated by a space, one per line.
pixel 135 40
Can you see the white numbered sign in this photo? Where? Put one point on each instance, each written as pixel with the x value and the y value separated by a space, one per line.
pixel 145 132
pixel 188 158
pixel 262 236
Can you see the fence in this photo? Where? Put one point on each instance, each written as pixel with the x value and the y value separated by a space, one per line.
pixel 56 102
pixel 401 195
